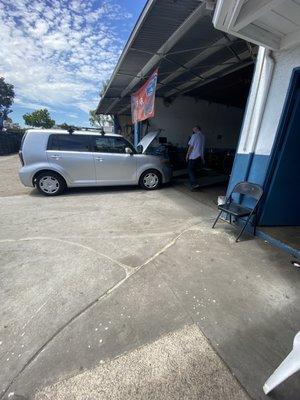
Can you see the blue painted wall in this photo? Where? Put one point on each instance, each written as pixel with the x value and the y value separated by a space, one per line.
pixel 239 169
pixel 277 173
pixel 248 167
pixel 258 169
pixel 283 197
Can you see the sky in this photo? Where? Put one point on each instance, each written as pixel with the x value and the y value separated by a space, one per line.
pixel 57 53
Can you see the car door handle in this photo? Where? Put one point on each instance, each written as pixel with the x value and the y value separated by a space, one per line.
pixel 100 159
pixel 55 156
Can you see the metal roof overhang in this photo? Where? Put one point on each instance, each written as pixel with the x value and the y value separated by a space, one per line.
pixel 179 38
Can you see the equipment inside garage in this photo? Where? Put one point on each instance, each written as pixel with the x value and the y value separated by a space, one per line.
pixel 204 77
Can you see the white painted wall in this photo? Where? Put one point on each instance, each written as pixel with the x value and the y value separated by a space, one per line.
pixel 285 62
pixel 178 119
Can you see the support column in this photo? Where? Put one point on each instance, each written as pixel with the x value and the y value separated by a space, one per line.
pixel 137 133
pixel 116 123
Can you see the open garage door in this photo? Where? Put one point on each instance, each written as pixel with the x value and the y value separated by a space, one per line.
pixel 204 79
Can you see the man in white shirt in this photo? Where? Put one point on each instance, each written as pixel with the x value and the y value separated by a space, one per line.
pixel 195 155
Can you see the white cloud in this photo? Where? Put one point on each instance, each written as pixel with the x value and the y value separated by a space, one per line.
pixel 58 55
pixel 32 106
pixel 56 41
pixel 72 115
pixel 40 29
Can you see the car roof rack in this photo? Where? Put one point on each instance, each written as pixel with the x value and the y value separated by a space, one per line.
pixel 100 129
pixel 72 129
pixel 86 128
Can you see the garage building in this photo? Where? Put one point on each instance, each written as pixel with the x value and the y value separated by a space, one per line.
pixel 204 76
pixel 206 53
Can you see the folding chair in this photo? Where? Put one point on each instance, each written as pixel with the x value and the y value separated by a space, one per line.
pixel 232 208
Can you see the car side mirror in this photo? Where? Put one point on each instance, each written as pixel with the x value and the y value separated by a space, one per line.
pixel 128 150
pixel 139 149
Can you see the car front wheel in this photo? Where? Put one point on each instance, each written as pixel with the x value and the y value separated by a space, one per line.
pixel 151 180
pixel 50 184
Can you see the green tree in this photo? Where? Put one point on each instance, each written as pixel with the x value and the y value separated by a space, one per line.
pixel 39 118
pixel 7 95
pixel 67 127
pixel 104 85
pixel 100 120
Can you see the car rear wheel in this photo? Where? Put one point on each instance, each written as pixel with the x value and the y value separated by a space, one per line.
pixel 50 184
pixel 151 180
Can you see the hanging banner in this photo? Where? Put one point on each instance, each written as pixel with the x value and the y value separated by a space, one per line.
pixel 142 101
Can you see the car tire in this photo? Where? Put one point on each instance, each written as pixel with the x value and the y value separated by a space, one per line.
pixel 151 179
pixel 50 183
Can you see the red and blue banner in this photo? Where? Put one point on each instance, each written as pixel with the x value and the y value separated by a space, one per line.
pixel 142 101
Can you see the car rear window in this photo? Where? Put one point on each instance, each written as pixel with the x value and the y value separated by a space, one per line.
pixel 69 142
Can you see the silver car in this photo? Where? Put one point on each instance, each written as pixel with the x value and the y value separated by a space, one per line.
pixel 53 160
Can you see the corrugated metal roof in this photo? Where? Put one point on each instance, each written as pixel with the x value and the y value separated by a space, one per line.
pixel 190 46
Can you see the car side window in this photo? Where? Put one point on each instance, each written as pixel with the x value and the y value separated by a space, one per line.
pixel 53 143
pixel 102 144
pixel 69 143
pixel 120 145
pixel 105 144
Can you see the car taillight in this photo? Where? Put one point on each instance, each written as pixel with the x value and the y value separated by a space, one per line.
pixel 21 157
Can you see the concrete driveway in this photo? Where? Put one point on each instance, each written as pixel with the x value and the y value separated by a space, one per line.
pixel 128 294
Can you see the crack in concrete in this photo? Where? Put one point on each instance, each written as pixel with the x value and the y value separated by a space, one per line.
pixel 130 271
pixel 127 268
pixel 34 314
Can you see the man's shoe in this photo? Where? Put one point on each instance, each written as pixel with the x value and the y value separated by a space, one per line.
pixel 194 187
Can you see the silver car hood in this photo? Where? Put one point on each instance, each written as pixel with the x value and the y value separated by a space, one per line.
pixel 148 139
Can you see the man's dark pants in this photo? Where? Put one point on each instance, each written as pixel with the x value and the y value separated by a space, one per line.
pixel 192 168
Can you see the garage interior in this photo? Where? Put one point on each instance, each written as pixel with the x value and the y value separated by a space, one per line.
pixel 204 78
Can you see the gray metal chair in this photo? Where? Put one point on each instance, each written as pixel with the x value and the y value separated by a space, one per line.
pixel 232 208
